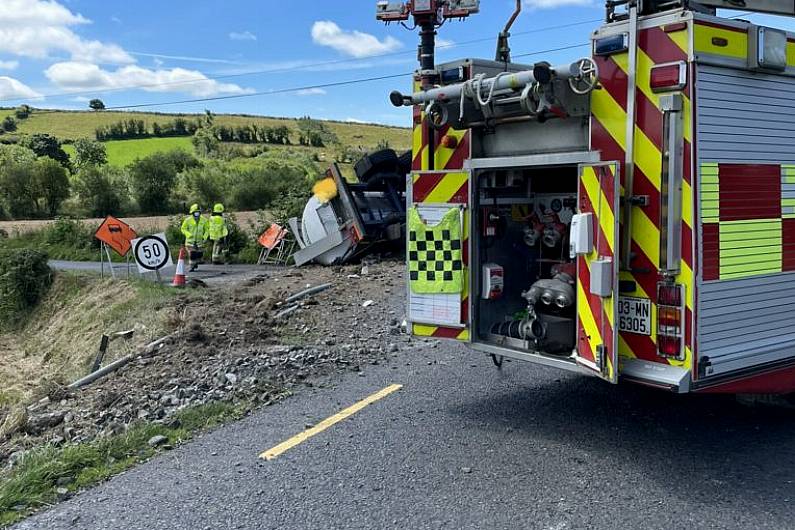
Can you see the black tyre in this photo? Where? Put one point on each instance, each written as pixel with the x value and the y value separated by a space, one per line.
pixel 380 181
pixel 384 161
pixel 405 161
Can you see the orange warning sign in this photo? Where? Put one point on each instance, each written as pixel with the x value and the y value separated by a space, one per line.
pixel 272 236
pixel 116 234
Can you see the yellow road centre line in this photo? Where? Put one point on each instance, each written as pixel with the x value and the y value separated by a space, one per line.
pixel 270 454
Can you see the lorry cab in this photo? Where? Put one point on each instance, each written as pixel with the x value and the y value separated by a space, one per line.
pixel 630 215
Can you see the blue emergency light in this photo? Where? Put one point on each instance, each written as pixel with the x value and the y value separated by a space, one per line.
pixel 611 45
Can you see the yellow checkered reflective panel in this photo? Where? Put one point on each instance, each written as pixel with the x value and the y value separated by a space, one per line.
pixel 435 254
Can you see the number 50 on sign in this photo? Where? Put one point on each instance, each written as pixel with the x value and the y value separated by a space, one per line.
pixel 151 253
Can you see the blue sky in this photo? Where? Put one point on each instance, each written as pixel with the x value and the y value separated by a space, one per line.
pixel 60 53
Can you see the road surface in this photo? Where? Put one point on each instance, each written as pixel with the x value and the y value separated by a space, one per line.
pixel 463 445
pixel 207 273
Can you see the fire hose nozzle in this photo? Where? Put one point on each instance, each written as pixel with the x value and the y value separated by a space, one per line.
pixel 399 100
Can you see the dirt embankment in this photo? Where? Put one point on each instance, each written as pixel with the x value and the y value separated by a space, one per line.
pixel 227 345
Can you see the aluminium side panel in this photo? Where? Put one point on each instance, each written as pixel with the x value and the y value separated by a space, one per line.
pixel 746 216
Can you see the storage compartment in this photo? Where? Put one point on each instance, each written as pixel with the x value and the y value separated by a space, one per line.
pixel 526 278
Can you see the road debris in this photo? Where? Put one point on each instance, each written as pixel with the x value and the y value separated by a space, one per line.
pixel 157 441
pixel 239 352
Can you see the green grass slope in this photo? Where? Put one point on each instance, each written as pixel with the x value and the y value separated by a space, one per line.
pixel 71 125
pixel 123 152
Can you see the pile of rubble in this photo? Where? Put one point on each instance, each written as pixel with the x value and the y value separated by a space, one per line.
pixel 228 346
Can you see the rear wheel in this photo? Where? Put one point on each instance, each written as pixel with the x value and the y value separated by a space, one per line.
pixel 384 161
pixel 405 162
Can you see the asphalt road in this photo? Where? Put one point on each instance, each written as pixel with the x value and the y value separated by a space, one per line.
pixel 465 446
pixel 207 273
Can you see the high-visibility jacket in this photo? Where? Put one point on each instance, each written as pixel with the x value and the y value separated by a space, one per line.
pixel 435 254
pixel 218 227
pixel 195 232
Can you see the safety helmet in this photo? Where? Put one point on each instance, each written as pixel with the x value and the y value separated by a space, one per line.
pixel 195 208
pixel 218 208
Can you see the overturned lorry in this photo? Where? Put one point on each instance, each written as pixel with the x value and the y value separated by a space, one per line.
pixel 630 215
pixel 345 220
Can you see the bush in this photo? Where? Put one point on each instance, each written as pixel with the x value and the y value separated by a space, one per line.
pixel 9 124
pixel 23 112
pixel 205 185
pixel 52 185
pixel 89 153
pixel 238 239
pixel 70 233
pixel 18 190
pixel 25 278
pixel 100 191
pixel 153 178
pixel 47 145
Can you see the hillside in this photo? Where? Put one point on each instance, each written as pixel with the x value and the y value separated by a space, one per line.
pixel 71 125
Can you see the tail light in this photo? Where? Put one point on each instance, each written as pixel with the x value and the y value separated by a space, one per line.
pixel 670 320
pixel 670 76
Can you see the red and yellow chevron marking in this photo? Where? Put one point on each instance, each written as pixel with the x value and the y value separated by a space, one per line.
pixel 608 135
pixel 442 186
pixel 443 157
pixel 596 315
pixel 446 187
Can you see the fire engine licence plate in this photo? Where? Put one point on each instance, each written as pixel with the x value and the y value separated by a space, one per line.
pixel 634 315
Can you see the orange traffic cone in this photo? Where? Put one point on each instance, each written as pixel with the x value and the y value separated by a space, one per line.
pixel 179 275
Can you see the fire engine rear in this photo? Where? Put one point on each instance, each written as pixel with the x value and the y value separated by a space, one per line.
pixel 629 215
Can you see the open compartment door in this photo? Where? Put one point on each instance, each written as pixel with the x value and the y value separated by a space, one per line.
pixel 594 242
pixel 437 229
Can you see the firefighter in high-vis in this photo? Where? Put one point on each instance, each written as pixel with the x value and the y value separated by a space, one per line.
pixel 219 232
pixel 196 230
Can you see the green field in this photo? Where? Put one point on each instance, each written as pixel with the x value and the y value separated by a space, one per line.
pixel 71 125
pixel 122 152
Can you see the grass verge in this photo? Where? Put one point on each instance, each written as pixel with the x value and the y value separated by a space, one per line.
pixel 58 340
pixel 33 483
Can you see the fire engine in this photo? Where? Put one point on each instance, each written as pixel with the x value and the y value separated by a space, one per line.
pixel 630 215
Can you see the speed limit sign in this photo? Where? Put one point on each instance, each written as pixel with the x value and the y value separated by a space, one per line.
pixel 151 253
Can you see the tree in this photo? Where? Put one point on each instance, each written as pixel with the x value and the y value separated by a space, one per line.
pixel 17 189
pixel 52 185
pixel 9 124
pixel 152 179
pixel 96 104
pixel 89 153
pixel 23 112
pixel 46 145
pixel 16 183
pixel 98 192
pixel 208 119
pixel 205 143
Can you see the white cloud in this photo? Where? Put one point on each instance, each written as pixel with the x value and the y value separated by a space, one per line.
pixel 353 43
pixel 445 42
pixel 242 35
pixel 312 92
pixel 11 88
pixel 553 4
pixel 36 28
pixel 87 76
pixel 354 120
pixel 9 65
